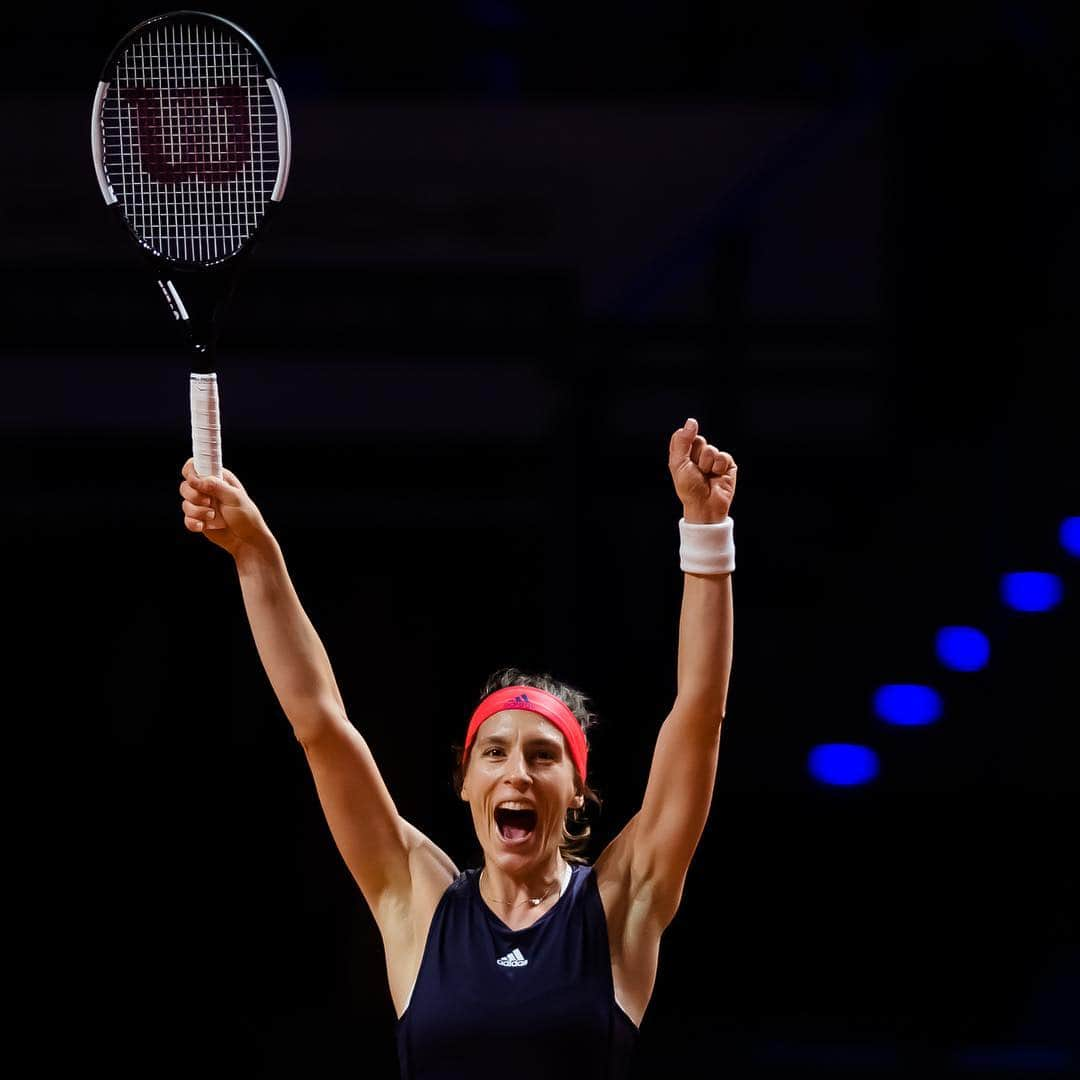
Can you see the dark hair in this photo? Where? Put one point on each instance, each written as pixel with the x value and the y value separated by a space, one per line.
pixel 573 843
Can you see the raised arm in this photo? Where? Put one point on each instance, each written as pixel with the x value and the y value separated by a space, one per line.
pixel 374 840
pixel 665 832
pixel 705 482
pixel 292 654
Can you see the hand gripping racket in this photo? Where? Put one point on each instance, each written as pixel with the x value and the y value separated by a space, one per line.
pixel 191 145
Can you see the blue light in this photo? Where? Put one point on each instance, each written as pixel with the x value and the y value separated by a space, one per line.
pixel 842 764
pixel 1031 591
pixel 907 704
pixel 962 648
pixel 1070 535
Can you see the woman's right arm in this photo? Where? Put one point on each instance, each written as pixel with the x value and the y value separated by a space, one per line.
pixel 374 840
pixel 290 650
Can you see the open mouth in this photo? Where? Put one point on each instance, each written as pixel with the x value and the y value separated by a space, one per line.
pixel 515 826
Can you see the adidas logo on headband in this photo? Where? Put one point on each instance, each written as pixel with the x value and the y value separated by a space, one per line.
pixel 518 700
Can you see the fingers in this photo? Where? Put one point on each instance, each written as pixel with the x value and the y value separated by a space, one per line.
pixel 696 450
pixel 687 445
pixel 714 461
pixel 197 525
pixel 193 496
pixel 198 513
pixel 188 489
pixel 707 458
pixel 201 494
pixel 724 463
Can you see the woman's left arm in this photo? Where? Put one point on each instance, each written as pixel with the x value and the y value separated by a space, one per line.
pixel 706 625
pixel 704 479
pixel 664 834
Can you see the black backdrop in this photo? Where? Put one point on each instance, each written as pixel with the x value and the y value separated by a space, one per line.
pixel 520 244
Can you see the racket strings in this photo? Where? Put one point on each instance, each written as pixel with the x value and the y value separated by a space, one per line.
pixel 190 141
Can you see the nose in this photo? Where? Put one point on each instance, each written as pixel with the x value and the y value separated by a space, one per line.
pixel 516 770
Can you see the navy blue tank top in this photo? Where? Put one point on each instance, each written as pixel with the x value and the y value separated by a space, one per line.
pixel 532 1004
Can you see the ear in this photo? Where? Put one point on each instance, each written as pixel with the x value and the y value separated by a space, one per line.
pixel 578 803
pixel 464 795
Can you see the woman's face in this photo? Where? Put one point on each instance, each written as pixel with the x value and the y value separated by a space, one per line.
pixel 520 758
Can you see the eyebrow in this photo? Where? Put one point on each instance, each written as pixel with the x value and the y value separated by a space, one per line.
pixel 538 740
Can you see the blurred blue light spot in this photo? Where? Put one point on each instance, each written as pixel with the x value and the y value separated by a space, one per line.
pixel 845 764
pixel 962 648
pixel 908 704
pixel 1070 535
pixel 1031 591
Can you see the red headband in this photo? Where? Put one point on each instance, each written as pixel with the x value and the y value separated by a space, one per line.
pixel 532 699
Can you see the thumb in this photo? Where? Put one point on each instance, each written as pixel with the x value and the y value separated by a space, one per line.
pixel 682 441
pixel 231 478
pixel 216 488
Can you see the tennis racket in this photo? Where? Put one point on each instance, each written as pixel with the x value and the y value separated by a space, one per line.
pixel 191 144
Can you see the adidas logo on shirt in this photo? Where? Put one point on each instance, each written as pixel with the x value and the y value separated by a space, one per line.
pixel 512 959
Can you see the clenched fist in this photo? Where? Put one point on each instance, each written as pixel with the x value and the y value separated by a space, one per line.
pixel 704 476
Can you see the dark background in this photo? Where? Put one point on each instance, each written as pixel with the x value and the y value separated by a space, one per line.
pixel 519 245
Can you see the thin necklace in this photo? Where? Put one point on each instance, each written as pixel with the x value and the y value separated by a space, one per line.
pixel 534 900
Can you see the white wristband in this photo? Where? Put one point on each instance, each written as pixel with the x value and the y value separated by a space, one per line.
pixel 707 549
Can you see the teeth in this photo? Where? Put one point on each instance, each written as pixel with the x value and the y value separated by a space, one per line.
pixel 513 806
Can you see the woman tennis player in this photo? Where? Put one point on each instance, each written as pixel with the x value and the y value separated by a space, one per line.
pixel 535 964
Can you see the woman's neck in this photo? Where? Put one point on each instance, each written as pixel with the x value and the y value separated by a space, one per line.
pixel 512 892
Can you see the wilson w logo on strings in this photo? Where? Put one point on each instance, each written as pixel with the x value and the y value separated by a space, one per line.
pixel 198 133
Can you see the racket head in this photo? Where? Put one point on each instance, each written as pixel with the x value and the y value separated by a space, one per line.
pixel 190 138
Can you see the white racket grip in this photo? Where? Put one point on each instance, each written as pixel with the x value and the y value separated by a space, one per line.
pixel 205 425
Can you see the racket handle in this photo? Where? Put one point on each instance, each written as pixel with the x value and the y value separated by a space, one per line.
pixel 205 425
